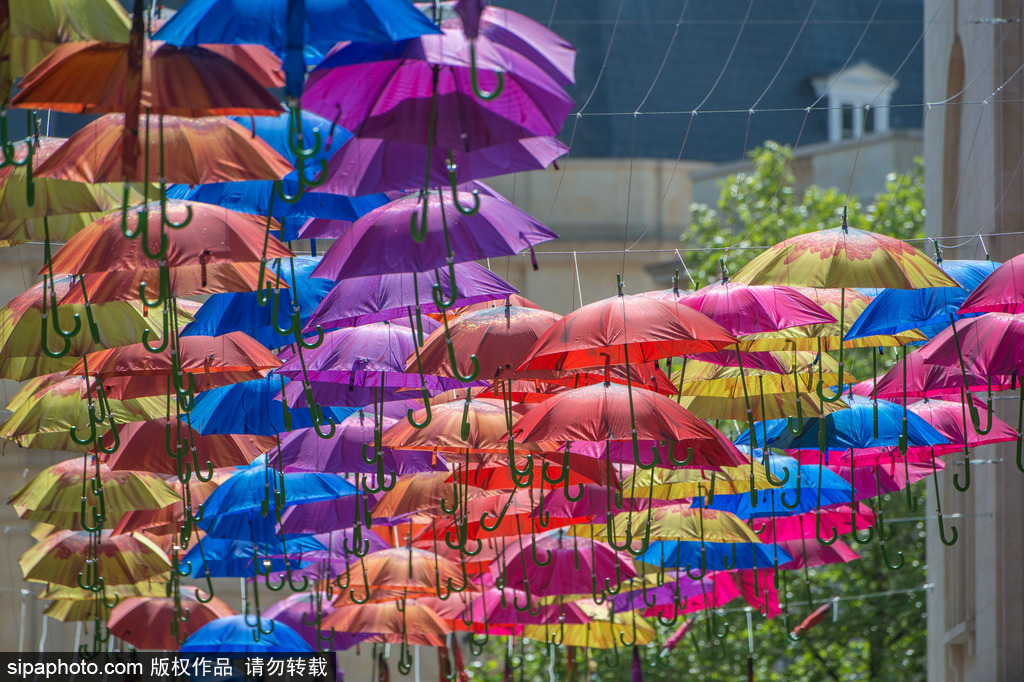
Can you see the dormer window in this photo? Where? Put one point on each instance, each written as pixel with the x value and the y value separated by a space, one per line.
pixel 858 100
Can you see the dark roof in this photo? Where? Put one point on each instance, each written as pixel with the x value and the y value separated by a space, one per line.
pixel 699 55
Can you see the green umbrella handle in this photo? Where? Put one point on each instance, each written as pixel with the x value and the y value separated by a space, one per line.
pixel 938 510
pixel 475 208
pixel 475 76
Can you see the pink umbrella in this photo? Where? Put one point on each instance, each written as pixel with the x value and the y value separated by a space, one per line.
pixel 991 344
pixel 748 309
pixel 1000 292
pixel 929 381
pixel 813 553
pixel 839 519
pixel 559 563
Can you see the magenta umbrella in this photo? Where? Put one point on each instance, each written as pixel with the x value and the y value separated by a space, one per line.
pixel 422 91
pixel 390 296
pixel 929 381
pixel 1000 292
pixel 991 344
pixel 750 309
pixel 813 553
pixel 558 563
pixel 371 165
pixel 838 519
pixel 379 241
pixel 350 449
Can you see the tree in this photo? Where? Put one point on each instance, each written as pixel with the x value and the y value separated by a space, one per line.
pixel 880 633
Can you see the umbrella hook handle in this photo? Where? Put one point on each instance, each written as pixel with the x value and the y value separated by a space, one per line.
pixel 475 76
pixel 798 489
pixel 63 335
pixel 302 154
pixel 521 478
pixel 769 475
pixel 820 389
pixel 489 527
pixel 938 510
pixel 475 208
pixel 671 454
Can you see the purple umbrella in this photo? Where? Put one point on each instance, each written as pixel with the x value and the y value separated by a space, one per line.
pixel 297 611
pixel 372 165
pixel 347 450
pixel 666 594
pixel 422 91
pixel 388 297
pixel 542 46
pixel 379 241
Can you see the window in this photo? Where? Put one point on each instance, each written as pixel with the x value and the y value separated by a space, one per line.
pixel 858 101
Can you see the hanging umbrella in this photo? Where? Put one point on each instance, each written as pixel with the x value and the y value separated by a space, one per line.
pixel 611 412
pixel 234 634
pixel 385 618
pixel 1000 292
pixel 802 485
pixel 189 82
pixel 115 323
pixel 379 241
pixel 146 622
pixel 366 165
pixel 121 559
pixel 144 447
pixel 297 610
pixel 991 344
pixel 389 296
pixel 743 309
pixel 423 91
pixel 568 565
pixel 43 417
pixel 55 495
pixel 185 150
pixel 924 380
pixel 600 633
pixel 347 450
pixel 235 558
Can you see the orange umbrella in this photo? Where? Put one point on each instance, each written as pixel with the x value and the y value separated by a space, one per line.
pixel 91 77
pixel 475 426
pixel 146 385
pixel 416 492
pixel 411 569
pixel 185 150
pixel 232 352
pixel 184 280
pixel 153 622
pixel 384 618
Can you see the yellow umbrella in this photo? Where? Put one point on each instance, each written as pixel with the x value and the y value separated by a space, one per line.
pixel 54 496
pixel 677 522
pixel 154 587
pixel 43 417
pixel 605 631
pixel 678 484
pixel 38 26
pixel 62 558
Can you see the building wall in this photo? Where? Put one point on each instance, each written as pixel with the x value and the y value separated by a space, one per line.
pixel 973 185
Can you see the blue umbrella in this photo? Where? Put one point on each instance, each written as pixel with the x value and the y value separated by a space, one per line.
pixel 223 313
pixel 853 428
pixel 245 505
pixel 233 558
pixel 927 310
pixel 790 498
pixel 301 32
pixel 718 555
pixel 252 407
pixel 234 634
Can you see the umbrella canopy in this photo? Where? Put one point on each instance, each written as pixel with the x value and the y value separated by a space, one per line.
pixel 389 91
pixel 294 611
pixel 926 380
pixel 143 447
pixel 622 328
pixel 844 257
pixel 145 622
pixel 122 559
pixel 379 241
pixel 573 564
pixel 368 165
pixel 991 344
pixel 189 81
pixel 743 309
pixel 234 634
pixel 55 494
pixel 375 298
pixel 603 412
pixel 117 324
pixel 1000 292
pixel 383 618
pixel 192 151
pixel 215 235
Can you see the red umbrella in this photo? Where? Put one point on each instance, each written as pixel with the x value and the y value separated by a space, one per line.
pixel 154 622
pixel 602 412
pixel 144 448
pixel 625 329
pixel 810 621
